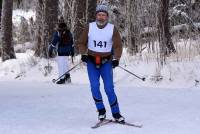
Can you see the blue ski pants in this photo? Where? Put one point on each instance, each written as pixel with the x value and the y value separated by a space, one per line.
pixel 106 73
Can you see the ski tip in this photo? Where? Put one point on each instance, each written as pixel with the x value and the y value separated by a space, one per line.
pixel 139 126
pixel 135 125
pixel 129 124
pixel 93 127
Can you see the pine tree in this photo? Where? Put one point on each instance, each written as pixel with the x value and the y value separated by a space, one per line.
pixel 7 45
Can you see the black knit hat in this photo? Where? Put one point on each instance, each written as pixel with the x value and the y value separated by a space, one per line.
pixel 62 26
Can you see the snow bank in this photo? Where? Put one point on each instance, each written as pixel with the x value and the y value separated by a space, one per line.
pixel 174 74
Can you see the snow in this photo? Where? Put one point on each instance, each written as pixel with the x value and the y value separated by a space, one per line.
pixel 30 103
pixel 46 108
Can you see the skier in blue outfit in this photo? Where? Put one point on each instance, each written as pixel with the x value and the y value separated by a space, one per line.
pixel 62 42
pixel 101 48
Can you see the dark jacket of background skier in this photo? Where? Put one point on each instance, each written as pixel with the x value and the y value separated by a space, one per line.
pixel 63 41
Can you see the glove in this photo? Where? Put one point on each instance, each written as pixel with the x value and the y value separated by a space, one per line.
pixel 84 58
pixel 115 63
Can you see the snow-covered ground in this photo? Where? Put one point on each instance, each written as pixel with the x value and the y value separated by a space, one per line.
pixel 31 104
pixel 46 108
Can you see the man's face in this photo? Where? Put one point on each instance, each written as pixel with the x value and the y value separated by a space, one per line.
pixel 101 18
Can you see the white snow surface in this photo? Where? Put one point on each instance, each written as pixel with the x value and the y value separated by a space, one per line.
pixel 46 108
pixel 30 103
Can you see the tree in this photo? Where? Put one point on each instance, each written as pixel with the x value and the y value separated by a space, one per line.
pixel 7 46
pixel 18 2
pixel 50 17
pixel 0 11
pixel 24 4
pixel 0 22
pixel 77 13
pixel 81 18
pixel 69 12
pixel 39 26
pixel 131 25
pixel 166 44
pixel 46 20
pixel 91 10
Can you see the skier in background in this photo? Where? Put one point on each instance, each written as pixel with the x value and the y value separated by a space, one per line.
pixel 62 42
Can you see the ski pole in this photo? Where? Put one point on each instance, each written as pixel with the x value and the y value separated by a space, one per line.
pixel 54 80
pixel 143 78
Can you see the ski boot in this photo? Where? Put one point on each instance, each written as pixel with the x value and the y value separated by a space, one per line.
pixel 118 118
pixel 102 114
pixel 61 81
pixel 67 78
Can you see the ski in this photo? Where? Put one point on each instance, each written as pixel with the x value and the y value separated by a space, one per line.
pixel 101 123
pixel 107 121
pixel 128 124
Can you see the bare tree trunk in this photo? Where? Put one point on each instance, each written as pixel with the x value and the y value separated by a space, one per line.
pixel 7 46
pixel 77 14
pixel 131 38
pixel 134 42
pixel 134 26
pixel 81 18
pixel 70 14
pixel 18 3
pixel 47 18
pixel 128 8
pixel 0 26
pixel 50 17
pixel 0 11
pixel 50 21
pixel 39 27
pixel 166 45
pixel 91 10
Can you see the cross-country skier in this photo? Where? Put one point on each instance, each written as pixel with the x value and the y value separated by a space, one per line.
pixel 62 42
pixel 101 48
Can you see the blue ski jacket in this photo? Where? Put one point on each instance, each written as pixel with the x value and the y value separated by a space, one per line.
pixel 63 41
